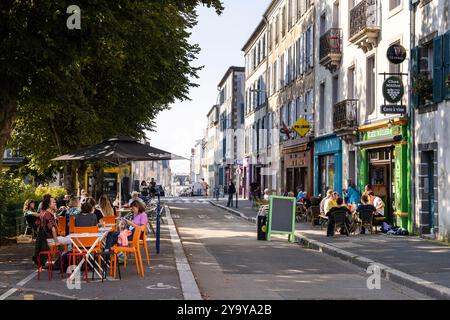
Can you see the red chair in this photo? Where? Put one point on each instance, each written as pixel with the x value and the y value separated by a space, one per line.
pixel 50 253
pixel 73 261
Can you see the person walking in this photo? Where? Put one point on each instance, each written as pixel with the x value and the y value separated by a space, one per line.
pixel 205 186
pixel 231 192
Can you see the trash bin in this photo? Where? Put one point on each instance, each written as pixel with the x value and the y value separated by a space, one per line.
pixel 261 231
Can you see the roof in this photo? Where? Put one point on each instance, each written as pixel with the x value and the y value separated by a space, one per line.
pixel 261 26
pixel 229 71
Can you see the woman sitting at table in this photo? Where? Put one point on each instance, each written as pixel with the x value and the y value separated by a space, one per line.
pixel 86 218
pixel 73 206
pixel 139 219
pixel 105 208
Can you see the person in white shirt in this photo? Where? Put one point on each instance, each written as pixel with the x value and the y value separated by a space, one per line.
pixel 377 203
pixel 324 201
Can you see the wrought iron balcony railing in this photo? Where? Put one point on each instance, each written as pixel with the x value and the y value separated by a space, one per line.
pixel 330 48
pixel 364 15
pixel 345 115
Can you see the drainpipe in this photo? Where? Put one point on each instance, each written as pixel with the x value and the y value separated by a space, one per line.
pixel 413 8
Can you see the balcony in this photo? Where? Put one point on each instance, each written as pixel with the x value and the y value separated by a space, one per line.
pixel 345 119
pixel 365 24
pixel 330 51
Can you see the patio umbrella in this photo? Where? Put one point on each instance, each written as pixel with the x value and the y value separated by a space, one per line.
pixel 119 150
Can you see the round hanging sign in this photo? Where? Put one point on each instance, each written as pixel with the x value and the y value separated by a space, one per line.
pixel 396 54
pixel 393 89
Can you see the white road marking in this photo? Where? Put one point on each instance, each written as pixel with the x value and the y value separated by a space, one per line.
pixel 188 285
pixel 229 217
pixel 17 286
pixel 161 286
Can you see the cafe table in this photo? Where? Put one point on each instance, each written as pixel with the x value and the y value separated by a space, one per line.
pixel 100 236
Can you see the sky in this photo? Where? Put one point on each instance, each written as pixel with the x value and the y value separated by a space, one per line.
pixel 221 39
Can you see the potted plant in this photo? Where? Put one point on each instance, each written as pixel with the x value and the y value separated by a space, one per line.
pixel 423 86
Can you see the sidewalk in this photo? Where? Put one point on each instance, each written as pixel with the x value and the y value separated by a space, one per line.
pixel 420 264
pixel 165 277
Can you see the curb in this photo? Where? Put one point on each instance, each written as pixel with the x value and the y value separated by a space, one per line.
pixel 428 288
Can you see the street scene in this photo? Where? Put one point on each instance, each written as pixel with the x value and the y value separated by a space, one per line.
pixel 222 150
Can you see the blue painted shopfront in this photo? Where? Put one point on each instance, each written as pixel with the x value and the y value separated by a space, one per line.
pixel 328 150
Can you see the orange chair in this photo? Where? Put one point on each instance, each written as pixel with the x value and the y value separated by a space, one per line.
pixel 133 248
pixel 61 226
pixel 143 242
pixel 110 220
pixel 87 242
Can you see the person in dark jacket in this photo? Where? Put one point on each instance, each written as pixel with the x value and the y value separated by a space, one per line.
pixel 231 192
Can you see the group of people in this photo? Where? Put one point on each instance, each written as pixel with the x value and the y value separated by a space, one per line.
pixel 148 190
pixel 350 204
pixel 86 213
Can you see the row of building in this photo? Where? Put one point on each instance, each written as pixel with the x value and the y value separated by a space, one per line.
pixel 326 62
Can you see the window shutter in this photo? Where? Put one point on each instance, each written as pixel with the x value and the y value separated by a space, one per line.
pixel 311 47
pixel 437 69
pixel 301 53
pixel 415 73
pixel 446 64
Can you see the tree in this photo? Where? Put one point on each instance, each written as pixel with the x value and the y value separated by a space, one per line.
pixel 62 89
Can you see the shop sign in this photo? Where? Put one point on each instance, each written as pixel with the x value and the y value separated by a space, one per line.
pixel 379 133
pixel 396 54
pixel 393 109
pixel 393 89
pixel 302 127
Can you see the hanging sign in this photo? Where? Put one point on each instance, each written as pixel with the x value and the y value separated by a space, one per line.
pixel 393 89
pixel 302 127
pixel 396 54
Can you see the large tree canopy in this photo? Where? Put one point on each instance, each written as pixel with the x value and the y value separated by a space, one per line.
pixel 61 89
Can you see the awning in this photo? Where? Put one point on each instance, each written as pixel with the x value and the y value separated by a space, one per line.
pixel 393 139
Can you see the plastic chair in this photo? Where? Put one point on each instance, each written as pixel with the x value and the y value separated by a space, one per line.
pixel 143 242
pixel 135 249
pixel 340 220
pixel 87 242
pixel 72 257
pixel 50 253
pixel 110 220
pixel 105 256
pixel 366 218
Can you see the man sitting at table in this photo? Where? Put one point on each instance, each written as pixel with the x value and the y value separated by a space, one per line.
pixel 340 206
pixel 135 196
pixel 365 205
pixel 86 218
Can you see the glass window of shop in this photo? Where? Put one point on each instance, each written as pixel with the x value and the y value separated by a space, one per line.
pixel 326 169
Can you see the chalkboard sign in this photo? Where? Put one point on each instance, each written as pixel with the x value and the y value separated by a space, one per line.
pixel 282 216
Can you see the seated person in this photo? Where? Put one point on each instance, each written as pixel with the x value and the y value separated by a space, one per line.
pixel 340 206
pixel 135 196
pixel 86 218
pixel 365 205
pixel 139 219
pixel 306 200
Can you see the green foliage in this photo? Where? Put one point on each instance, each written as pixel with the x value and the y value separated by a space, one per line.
pixel 71 88
pixel 56 192
pixel 423 85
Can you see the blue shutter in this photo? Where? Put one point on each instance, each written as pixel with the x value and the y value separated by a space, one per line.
pixel 437 69
pixel 446 52
pixel 414 74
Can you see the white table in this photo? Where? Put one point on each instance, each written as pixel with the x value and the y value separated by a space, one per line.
pixel 103 232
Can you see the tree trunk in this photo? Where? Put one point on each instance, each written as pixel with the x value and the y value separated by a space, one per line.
pixel 98 181
pixel 8 112
pixel 70 172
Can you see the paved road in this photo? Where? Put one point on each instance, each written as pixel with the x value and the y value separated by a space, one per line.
pixel 229 263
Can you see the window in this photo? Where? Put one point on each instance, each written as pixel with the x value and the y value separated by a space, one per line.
pixel 323 23
pixel 336 15
pixel 270 37
pixel 394 4
pixel 264 46
pixel 370 91
pixel 283 22
pixel 274 77
pixel 351 93
pixel 289 14
pixel 277 29
pixel 335 95
pixel 326 169
pixel 322 106
pixel 282 71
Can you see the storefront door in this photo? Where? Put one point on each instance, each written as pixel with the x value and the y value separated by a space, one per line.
pixel 381 177
pixel 326 173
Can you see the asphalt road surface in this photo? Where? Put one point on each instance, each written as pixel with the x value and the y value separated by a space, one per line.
pixel 229 263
